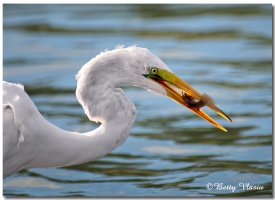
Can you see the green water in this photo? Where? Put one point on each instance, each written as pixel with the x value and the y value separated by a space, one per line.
pixel 222 50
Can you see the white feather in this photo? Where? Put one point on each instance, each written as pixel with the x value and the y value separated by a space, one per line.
pixel 31 141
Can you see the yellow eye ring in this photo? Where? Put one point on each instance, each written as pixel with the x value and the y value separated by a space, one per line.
pixel 153 70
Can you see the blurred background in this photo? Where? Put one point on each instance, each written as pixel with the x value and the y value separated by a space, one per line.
pixel 222 50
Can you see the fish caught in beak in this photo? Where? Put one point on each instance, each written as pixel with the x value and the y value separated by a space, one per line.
pixel 186 96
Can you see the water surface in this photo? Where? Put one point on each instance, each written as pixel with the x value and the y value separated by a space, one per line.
pixel 222 50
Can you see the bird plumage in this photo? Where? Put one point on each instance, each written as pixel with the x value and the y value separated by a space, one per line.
pixel 31 141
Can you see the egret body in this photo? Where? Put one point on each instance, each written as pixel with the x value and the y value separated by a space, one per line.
pixel 30 141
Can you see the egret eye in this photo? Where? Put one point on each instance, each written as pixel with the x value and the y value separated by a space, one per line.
pixel 153 70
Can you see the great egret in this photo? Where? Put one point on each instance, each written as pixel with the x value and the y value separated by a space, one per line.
pixel 31 141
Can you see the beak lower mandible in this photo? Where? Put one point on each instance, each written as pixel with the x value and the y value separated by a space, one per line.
pixel 189 94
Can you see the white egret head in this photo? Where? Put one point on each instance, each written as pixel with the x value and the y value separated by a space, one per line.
pixel 141 68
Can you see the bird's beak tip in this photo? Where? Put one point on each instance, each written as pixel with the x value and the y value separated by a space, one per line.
pixel 188 96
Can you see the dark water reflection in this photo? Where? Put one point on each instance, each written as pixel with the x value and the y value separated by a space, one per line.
pixel 222 50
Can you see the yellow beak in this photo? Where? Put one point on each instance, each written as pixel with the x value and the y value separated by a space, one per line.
pixel 167 80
